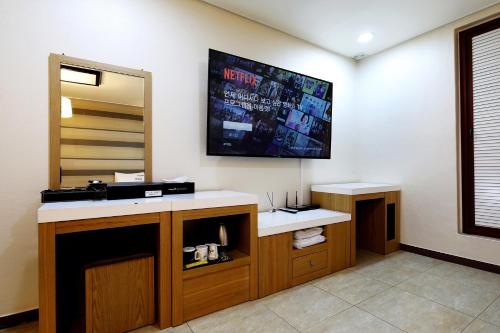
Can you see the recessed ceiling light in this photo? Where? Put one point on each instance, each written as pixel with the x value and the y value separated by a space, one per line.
pixel 365 37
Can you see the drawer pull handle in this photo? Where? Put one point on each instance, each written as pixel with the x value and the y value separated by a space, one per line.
pixel 311 263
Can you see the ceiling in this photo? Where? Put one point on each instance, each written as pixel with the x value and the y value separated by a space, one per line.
pixel 336 24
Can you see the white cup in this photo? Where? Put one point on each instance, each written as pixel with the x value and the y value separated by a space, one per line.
pixel 212 251
pixel 201 252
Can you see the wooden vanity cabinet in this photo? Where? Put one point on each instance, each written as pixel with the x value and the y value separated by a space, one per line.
pixel 281 266
pixel 202 290
pixel 75 234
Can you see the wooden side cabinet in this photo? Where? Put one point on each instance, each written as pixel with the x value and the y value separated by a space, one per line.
pixel 375 219
pixel 202 290
pixel 281 266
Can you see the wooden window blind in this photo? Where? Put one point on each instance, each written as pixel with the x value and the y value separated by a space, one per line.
pixel 99 140
pixel 480 128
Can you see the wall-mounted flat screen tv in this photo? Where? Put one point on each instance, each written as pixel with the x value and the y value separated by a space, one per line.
pixel 265 111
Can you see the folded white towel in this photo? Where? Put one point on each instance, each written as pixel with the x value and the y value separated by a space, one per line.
pixel 307 233
pixel 301 243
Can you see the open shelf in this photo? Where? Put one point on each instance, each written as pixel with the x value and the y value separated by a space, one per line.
pixel 370 225
pixel 206 230
pixel 239 259
pixel 310 249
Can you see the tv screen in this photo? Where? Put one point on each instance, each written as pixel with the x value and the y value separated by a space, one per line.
pixel 259 110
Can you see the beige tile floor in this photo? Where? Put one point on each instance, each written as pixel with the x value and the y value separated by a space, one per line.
pixel 401 292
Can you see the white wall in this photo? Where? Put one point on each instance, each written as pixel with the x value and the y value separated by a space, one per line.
pixel 170 38
pixel 406 128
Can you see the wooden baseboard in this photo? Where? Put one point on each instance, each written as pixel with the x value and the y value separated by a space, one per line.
pixel 18 318
pixel 451 258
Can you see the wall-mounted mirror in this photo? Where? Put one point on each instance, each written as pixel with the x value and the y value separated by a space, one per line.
pixel 100 123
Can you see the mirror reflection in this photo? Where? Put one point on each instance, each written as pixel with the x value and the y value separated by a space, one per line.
pixel 102 127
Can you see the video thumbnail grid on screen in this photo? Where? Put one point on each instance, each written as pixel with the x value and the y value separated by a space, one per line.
pixel 259 110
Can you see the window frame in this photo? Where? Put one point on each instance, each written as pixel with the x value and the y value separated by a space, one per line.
pixel 466 112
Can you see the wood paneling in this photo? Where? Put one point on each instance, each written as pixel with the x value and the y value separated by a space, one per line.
pixel 105 223
pixel 212 292
pixel 369 196
pixel 322 199
pixel 47 277
pixel 54 120
pixel 339 245
pixel 120 297
pixel 394 198
pixel 341 203
pixel 148 127
pixel 163 272
pixel 252 239
pixel 274 254
pixel 177 267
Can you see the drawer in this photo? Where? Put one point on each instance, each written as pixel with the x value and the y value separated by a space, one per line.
pixel 216 291
pixel 309 263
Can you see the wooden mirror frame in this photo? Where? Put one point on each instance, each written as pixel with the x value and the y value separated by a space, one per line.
pixel 55 62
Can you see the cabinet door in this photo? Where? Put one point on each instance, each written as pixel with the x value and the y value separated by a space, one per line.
pixel 339 245
pixel 274 254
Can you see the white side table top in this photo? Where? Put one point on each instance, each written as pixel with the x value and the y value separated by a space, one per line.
pixel 280 222
pixel 355 188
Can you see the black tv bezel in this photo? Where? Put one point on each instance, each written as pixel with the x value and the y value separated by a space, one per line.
pixel 255 155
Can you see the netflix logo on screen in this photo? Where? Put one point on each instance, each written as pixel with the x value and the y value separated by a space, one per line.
pixel 234 75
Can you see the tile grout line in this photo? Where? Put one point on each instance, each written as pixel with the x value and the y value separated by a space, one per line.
pixel 404 280
pixel 382 319
pixel 486 321
pixel 423 297
pixel 433 301
pixel 378 293
pixel 356 305
pixel 277 315
pixel 329 317
pixel 189 326
pixel 445 305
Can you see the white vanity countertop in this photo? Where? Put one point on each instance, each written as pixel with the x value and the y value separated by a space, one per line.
pixel 80 210
pixel 355 188
pixel 211 199
pixel 279 222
